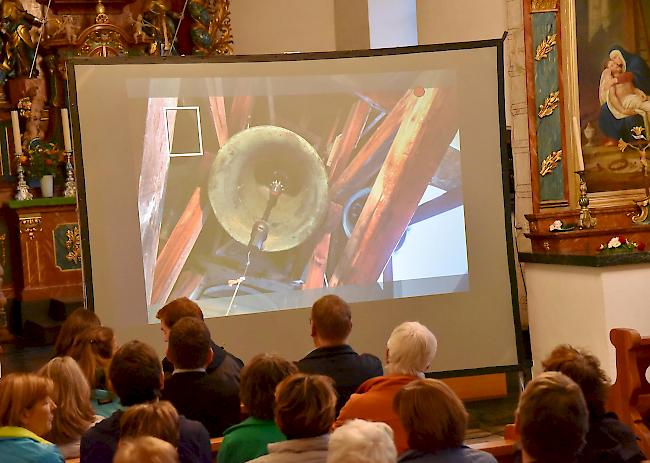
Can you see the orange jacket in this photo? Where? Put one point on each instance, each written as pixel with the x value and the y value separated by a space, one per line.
pixel 373 401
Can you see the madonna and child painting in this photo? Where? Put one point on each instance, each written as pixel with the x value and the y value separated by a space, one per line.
pixel 613 41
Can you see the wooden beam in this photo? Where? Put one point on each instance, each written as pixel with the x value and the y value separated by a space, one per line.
pixel 424 134
pixel 352 130
pixel 177 249
pixel 218 110
pixel 355 175
pixel 318 264
pixel 153 179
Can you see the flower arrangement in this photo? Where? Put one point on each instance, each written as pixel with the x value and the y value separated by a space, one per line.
pixel 43 159
pixel 555 226
pixel 621 244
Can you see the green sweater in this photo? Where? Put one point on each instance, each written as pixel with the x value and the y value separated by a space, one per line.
pixel 248 440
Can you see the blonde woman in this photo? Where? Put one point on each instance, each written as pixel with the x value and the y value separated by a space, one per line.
pixel 71 395
pixel 26 414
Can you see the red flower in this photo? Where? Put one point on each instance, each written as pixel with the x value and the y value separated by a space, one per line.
pixel 622 239
pixel 640 246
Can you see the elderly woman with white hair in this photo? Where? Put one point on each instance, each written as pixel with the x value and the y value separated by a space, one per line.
pixel 360 441
pixel 409 353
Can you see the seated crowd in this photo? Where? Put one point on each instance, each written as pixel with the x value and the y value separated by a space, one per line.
pixel 103 403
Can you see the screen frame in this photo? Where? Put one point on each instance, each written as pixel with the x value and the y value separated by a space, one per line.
pixel 521 365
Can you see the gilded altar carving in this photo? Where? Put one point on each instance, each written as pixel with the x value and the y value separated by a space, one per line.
pixel 545 47
pixel 103 42
pixel 543 5
pixel 550 104
pixel 210 32
pixel 73 245
pixel 550 162
pixel 30 224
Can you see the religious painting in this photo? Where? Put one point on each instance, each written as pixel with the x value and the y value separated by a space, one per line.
pixel 613 52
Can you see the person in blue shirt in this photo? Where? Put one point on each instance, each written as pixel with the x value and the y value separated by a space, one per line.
pixel 26 414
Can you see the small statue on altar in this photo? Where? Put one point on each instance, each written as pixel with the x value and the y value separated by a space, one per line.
pixel 138 33
pixel 67 28
pixel 18 48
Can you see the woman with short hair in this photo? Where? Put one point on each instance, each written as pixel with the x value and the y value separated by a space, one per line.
pixel 249 439
pixel 435 421
pixel 145 449
pixel 26 414
pixel 157 419
pixel 360 441
pixel 409 353
pixel 71 394
pixel 304 411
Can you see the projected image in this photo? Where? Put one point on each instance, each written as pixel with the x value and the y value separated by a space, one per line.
pixel 274 192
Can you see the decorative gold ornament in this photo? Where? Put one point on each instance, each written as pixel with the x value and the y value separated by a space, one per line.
pixel 30 224
pixel 545 47
pixel 73 245
pixel 549 105
pixel 544 5
pixel 550 163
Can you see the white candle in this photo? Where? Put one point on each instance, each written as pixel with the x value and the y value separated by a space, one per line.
pixel 18 143
pixel 67 143
pixel 578 138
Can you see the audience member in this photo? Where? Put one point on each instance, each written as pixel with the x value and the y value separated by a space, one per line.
pixel 93 349
pixel 77 321
pixel 551 419
pixel 211 399
pixel 435 421
pixel 249 439
pixel 26 414
pixel 608 438
pixel 223 363
pixel 331 324
pixel 74 414
pixel 156 419
pixel 304 412
pixel 137 377
pixel 145 449
pixel 409 353
pixel 359 441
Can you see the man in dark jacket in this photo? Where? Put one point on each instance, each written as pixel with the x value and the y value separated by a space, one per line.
pixel 331 324
pixel 212 399
pixel 223 363
pixel 137 377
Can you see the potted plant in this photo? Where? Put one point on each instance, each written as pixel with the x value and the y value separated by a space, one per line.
pixel 43 161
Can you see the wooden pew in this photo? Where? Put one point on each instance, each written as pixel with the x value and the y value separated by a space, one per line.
pixel 629 397
pixel 504 450
pixel 215 445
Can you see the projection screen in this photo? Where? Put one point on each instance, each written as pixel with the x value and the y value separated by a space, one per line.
pixel 256 184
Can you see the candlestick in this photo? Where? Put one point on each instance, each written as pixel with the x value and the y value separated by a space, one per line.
pixel 578 138
pixel 22 190
pixel 67 142
pixel 15 124
pixel 70 183
pixel 585 220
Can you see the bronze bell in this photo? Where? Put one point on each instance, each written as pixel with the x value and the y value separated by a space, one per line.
pixel 268 188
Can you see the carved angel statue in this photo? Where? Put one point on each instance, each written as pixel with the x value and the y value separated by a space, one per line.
pixel 18 48
pixel 68 28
